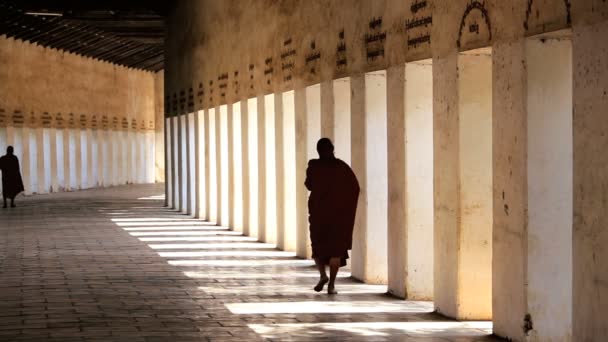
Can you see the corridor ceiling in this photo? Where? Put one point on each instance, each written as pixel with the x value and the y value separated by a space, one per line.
pixel 129 32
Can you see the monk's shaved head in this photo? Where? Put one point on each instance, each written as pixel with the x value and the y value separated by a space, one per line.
pixel 10 150
pixel 325 147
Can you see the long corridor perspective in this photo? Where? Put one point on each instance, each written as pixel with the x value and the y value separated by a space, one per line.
pixel 114 264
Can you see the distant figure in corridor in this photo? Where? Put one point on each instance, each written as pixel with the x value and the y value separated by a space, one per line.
pixel 12 184
pixel 332 205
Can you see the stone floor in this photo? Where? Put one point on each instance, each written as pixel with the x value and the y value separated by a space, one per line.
pixel 113 264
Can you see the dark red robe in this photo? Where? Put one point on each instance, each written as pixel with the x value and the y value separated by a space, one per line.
pixel 12 184
pixel 332 206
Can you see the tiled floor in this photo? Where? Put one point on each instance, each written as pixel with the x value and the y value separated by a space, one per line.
pixel 112 264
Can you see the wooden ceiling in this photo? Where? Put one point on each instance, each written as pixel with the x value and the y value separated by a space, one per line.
pixel 129 32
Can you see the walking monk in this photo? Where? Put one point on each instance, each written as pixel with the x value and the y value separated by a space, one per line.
pixel 12 184
pixel 332 205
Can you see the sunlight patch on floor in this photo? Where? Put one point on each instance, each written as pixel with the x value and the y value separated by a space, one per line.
pixel 313 307
pixel 375 329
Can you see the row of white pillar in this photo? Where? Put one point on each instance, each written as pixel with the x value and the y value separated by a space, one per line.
pixel 54 160
pixel 421 139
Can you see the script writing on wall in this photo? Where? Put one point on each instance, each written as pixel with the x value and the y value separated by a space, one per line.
pixel 312 58
pixel 341 59
pixel 268 70
pixel 288 60
pixel 375 39
pixel 222 84
pixel 418 27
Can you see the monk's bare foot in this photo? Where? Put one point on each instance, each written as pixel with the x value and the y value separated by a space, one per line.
pixel 321 284
pixel 13 205
pixel 4 206
pixel 331 290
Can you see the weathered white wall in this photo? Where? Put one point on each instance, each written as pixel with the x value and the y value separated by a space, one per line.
pixel 213 167
pixel 341 93
pixel 237 163
pixel 223 186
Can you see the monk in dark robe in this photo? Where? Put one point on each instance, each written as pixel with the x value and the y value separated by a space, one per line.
pixel 12 184
pixel 332 205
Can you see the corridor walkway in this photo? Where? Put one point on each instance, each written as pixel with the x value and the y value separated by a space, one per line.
pixel 113 264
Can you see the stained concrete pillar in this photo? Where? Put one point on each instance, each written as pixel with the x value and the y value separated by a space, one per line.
pixel 175 162
pixel 41 170
pixel 549 108
pixel 52 143
pixel 270 199
pixel 223 166
pixel 184 154
pixel 230 165
pixel 214 177
pixel 65 141
pixel 192 166
pixel 220 113
pixel 90 158
pixel 327 110
pixel 279 172
pixel 261 164
pixel 113 156
pixel 289 165
pixel 397 188
pixel 419 179
pixel 301 162
pixel 245 167
pixel 369 146
pixel 78 158
pixel 463 184
pixel 341 116
pixel 590 255
pixel 26 164
pixel 188 163
pixel 180 164
pixel 207 158
pixel 199 164
pixel 252 134
pixel 410 181
pixel 238 194
pixel 168 164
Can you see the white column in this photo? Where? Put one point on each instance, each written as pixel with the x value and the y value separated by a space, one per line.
pixel 419 178
pixel 66 160
pixel 52 143
pixel 168 164
pixel 279 167
pixel 238 145
pixel 371 263
pixel 62 162
pixel 175 162
pixel 207 169
pixel 301 163
pixel 252 134
pixel 549 87
pixel 463 184
pixel 230 166
pixel 270 201
pixel 245 168
pixel 290 218
pixel 199 187
pixel 590 255
pixel 188 162
pixel 327 110
pixel 214 185
pixel 78 158
pixel 342 131
pixel 42 169
pixel 180 164
pixel 261 158
pixel 223 166
pixel 26 164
